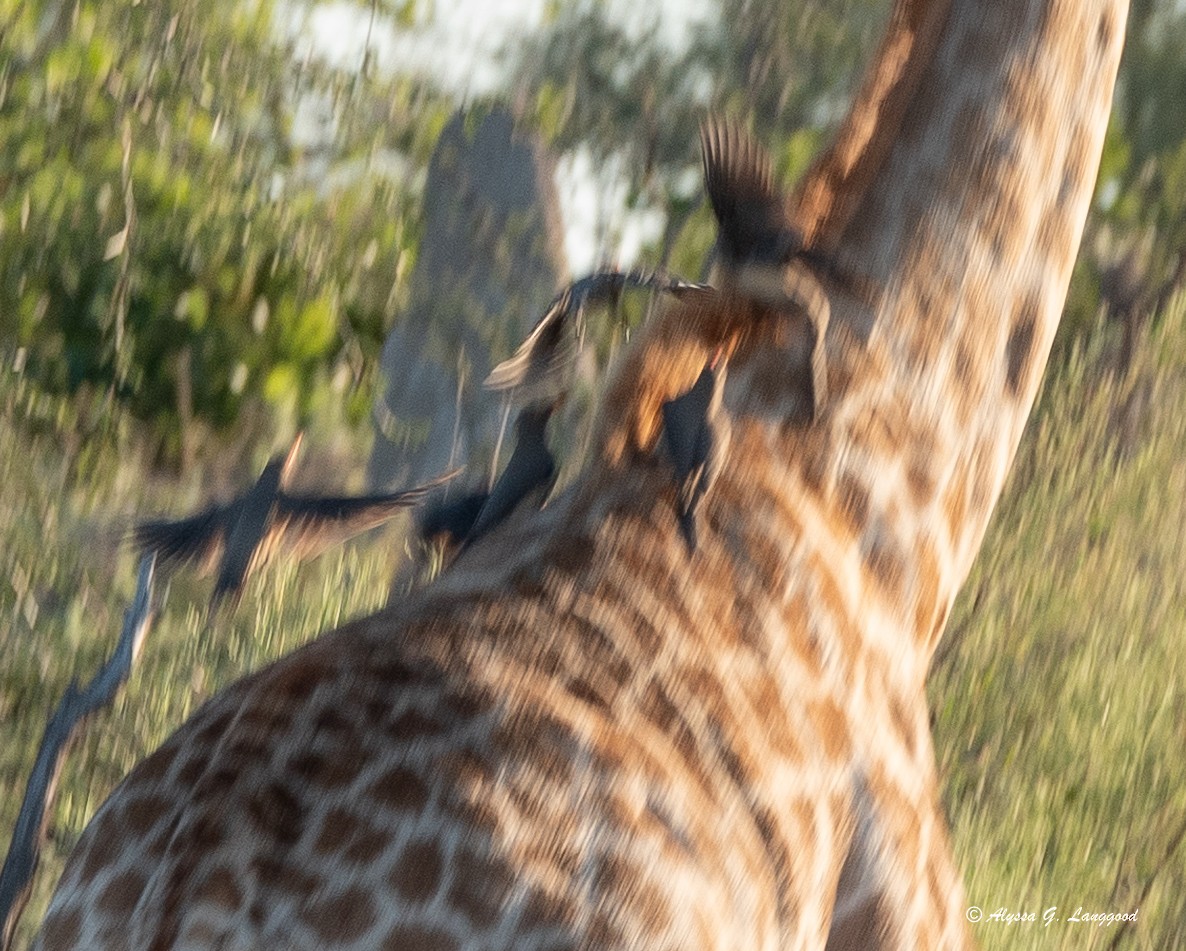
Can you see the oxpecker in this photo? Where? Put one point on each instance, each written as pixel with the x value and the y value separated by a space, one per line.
pixel 242 535
pixel 696 437
pixel 761 252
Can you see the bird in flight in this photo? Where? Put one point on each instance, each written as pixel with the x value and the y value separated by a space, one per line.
pixel 761 252
pixel 538 370
pixel 242 535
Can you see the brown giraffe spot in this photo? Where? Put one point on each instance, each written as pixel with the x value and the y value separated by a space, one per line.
pixel 480 887
pixel 802 820
pixel 982 491
pixel 191 771
pixel 204 833
pixel 416 875
pixel 1104 31
pixel 329 772
pixel 277 813
pixel 920 480
pixel 296 680
pixel 265 719
pixel 419 938
pixel 336 725
pixel 542 910
pixel 896 813
pixel 583 690
pixel 854 499
pixel 142 812
pixel 1020 348
pixel 342 918
pixel 391 671
pixel 571 555
pixel 213 730
pixel 476 813
pixel 777 855
pixel 675 831
pixel 961 402
pixel 221 887
pixel 399 788
pixel 356 838
pixel 527 582
pixel 656 706
pixel 282 876
pixel 903 723
pixel 119 896
pixel 248 747
pixel 102 849
pixel 375 709
pixel 726 754
pixel 785 742
pixel 222 777
pixel 832 605
pixel 468 767
pixel 831 727
pixel 886 562
pixel 156 767
pixel 603 934
pixel 603 655
pixel 62 929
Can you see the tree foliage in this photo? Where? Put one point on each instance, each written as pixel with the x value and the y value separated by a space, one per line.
pixel 190 213
pixel 196 213
pixel 631 97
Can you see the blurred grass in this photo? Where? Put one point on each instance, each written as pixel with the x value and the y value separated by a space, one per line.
pixel 1060 717
pixel 1059 699
pixel 71 480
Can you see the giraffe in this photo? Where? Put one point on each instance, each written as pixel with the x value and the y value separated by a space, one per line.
pixel 578 736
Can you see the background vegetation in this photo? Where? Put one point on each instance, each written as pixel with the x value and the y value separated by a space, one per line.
pixel 206 229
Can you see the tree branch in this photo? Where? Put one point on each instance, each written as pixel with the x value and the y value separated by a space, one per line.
pixel 25 849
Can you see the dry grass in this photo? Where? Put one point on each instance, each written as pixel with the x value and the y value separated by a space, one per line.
pixel 1059 700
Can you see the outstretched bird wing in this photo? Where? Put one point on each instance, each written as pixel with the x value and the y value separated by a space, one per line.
pixel 761 249
pixel 307 525
pixel 538 370
pixel 539 367
pixel 198 540
pixel 751 213
pixel 452 519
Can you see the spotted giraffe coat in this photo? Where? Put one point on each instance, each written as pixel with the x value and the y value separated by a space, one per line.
pixel 581 737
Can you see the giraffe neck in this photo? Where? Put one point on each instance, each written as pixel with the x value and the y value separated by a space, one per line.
pixel 959 188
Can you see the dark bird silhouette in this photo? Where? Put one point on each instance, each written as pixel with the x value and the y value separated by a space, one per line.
pixel 450 520
pixel 529 473
pixel 696 437
pixel 754 228
pixel 242 535
pixel 538 370
pixel 761 253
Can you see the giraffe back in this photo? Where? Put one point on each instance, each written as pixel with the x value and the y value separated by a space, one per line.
pixel 578 737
